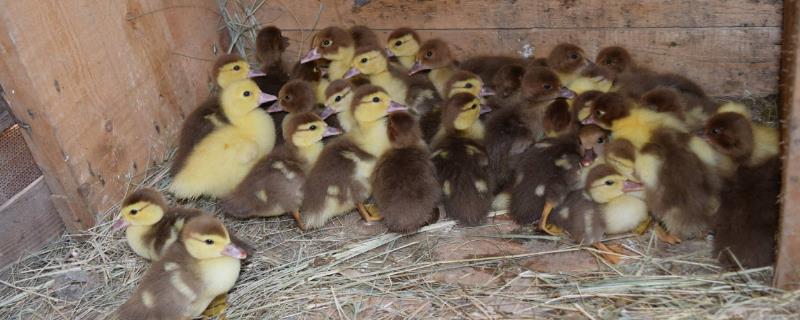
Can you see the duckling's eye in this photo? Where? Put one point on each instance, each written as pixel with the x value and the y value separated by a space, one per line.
pixel 600 140
pixel 715 131
pixel 573 56
pixel 398 43
pixel 376 99
pixel 547 87
pixel 609 182
pixel 609 61
pixel 468 86
pixel 599 113
pixel 288 97
pixel 246 93
pixel 134 212
pixel 473 106
pixel 209 242
pixel 338 98
pixel 236 68
pixel 364 60
pixel 326 43
pixel 312 127
pixel 429 54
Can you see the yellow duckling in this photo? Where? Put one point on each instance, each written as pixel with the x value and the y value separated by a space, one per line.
pixel 404 44
pixel 372 62
pixel 621 211
pixel 338 98
pixel 340 180
pixel 223 158
pixel 203 265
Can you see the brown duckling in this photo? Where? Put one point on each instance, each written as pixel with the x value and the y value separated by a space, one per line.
pixel 558 120
pixel 581 105
pixel 747 221
pixel 461 161
pixel 274 185
pixel 506 86
pixel 404 43
pixel 568 61
pixel 203 264
pixel 339 180
pixel 593 140
pixel 335 45
pixel 270 46
pixel 669 100
pixel 314 72
pixel 295 97
pixel 404 182
pixel 487 66
pixel 435 55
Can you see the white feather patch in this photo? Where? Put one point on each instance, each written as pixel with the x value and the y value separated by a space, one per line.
pixel 147 299
pixel 540 190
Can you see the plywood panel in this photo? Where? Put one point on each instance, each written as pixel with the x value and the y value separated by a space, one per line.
pixel 104 86
pixel 524 14
pixel 27 221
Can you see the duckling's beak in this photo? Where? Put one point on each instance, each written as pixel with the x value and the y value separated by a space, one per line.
pixel 234 251
pixel 394 107
pixel 588 120
pixel 312 55
pixel 331 131
pixel 327 112
pixel 630 186
pixel 588 157
pixel 120 224
pixel 417 67
pixel 276 107
pixel 351 73
pixel 255 73
pixel 266 97
pixel 566 93
pixel 389 53
pixel 485 109
pixel 486 92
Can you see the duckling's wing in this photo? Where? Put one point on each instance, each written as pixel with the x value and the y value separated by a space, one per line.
pixel 197 126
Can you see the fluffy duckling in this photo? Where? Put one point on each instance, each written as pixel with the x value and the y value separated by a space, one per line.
pixel 747 220
pixel 315 73
pixel 506 85
pixel 222 159
pixel 593 140
pixel 558 120
pixel 616 59
pixel 363 36
pixel 208 116
pixel 151 226
pixel 270 46
pixel 486 67
pixel 339 180
pixel 372 62
pixel 510 130
pixel 201 266
pixel 274 185
pixel 404 182
pixel 338 98
pixel 404 43
pixel 581 105
pixel 295 97
pixel 669 100
pixel 466 81
pixel 622 211
pixel 461 161
pixel 568 61
pixel 435 55
pixel 335 45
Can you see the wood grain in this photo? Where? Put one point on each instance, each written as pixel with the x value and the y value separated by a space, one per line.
pixel 27 222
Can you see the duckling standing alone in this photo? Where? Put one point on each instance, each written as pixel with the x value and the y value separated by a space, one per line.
pixel 202 265
pixel 223 158
pixel 404 183
pixel 274 185
pixel 461 161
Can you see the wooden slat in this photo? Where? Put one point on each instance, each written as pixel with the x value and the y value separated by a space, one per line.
pixel 726 62
pixel 523 14
pixel 27 222
pixel 787 268
pixel 104 88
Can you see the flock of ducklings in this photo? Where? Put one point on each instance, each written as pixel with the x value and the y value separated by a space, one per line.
pixel 580 147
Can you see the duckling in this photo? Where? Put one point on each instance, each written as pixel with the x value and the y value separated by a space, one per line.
pixel 568 61
pixel 616 59
pixel 404 43
pixel 221 160
pixel 336 45
pixel 270 46
pixel 208 116
pixel 510 130
pixel 151 226
pixel 593 77
pixel 668 100
pixel 593 140
pixel 461 81
pixel 486 66
pixel 506 85
pixel 558 120
pixel 315 73
pixel 461 161
pixel 543 176
pixel 621 211
pixel 581 105
pixel 295 97
pixel 364 37
pixel 435 55
pixel 338 98
pixel 372 62
pixel 339 180
pixel 273 186
pixel 201 266
pixel 747 220
pixel 404 182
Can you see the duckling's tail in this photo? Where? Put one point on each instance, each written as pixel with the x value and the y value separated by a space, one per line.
pixel 462 168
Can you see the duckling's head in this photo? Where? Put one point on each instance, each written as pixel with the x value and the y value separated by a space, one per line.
pixel 465 81
pixel 368 60
pixel 730 133
pixel 593 140
pixel 364 36
pixel 371 103
pixel 507 80
pixel 604 184
pixel 621 154
pixel 306 129
pixel 327 43
pixel 269 44
pixel 205 237
pixel 567 58
pixel 434 53
pixel 461 111
pixel 538 62
pixel 542 84
pixel 664 100
pixel 145 207
pixel 241 97
pixel 311 72
pixel 294 97
pixel 338 97
pixel 403 130
pixel 403 42
pixel 615 58
pixel 230 68
pixel 607 108
pixel 582 105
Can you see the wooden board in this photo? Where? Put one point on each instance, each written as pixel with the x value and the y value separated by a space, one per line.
pixel 27 222
pixel 103 88
pixel 732 48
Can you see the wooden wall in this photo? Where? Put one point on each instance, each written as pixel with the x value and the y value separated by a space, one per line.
pixel 103 86
pixel 730 46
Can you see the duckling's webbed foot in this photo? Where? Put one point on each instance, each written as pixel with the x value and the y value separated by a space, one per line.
pixel 217 308
pixel 369 213
pixel 642 227
pixel 550 229
pixel 665 236
pixel 608 253
pixel 298 220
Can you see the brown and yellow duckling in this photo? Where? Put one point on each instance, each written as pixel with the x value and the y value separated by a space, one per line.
pixel 403 43
pixel 371 61
pixel 435 55
pixel 568 61
pixel 335 45
pixel 202 265
pixel 404 182
pixel 274 185
pixel 295 97
pixel 338 98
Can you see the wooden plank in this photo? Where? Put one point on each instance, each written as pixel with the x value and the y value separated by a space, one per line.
pixel 787 267
pixel 523 14
pixel 726 62
pixel 27 222
pixel 109 104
